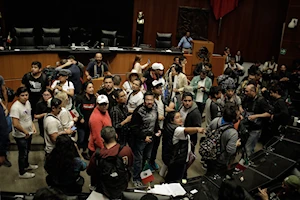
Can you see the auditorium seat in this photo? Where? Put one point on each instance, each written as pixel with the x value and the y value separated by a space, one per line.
pixel 51 36
pixel 163 40
pixel 23 37
pixel 109 38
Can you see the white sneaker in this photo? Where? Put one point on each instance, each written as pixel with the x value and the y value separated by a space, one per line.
pixel 31 167
pixel 27 175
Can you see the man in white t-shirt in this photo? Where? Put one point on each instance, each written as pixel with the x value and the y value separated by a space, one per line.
pixel 20 113
pixel 52 125
pixel 136 97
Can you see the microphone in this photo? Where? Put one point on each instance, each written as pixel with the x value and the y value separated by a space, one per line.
pixel 85 43
pixel 96 44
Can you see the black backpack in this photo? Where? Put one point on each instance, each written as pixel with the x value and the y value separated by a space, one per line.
pixel 51 74
pixel 112 175
pixel 10 94
pixel 210 147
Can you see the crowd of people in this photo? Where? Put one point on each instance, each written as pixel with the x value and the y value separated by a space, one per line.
pixel 80 123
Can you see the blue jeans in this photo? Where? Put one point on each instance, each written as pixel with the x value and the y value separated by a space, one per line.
pixel 23 148
pixel 83 137
pixel 252 141
pixel 142 153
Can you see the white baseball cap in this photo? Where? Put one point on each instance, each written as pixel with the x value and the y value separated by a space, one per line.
pixel 156 83
pixel 102 99
pixel 158 66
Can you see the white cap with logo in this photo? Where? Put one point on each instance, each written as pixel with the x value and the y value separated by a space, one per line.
pixel 102 99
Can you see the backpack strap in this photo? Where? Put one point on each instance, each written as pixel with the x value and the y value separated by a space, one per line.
pixel 95 70
pixel 129 97
pixel 102 70
pixel 97 154
pixel 225 128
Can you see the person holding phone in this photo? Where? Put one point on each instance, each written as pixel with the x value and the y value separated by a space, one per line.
pixel 52 126
pixel 137 64
pixel 201 85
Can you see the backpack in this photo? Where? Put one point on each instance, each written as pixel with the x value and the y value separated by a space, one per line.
pixel 10 94
pixel 210 147
pixel 112 175
pixel 51 74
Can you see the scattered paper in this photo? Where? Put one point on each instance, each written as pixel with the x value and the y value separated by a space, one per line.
pixel 172 189
pixel 97 196
pixel 194 191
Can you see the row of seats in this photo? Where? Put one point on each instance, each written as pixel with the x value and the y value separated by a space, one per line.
pixel 53 36
pixel 50 36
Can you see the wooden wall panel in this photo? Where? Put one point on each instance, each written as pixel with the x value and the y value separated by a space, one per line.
pixel 254 27
pixel 14 66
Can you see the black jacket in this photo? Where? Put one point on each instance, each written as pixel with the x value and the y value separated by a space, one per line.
pixel 140 122
pixel 173 153
pixel 193 118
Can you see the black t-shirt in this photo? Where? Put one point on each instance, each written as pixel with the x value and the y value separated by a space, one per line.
pixel 260 106
pixel 149 79
pixel 111 98
pixel 41 107
pixel 91 65
pixel 35 86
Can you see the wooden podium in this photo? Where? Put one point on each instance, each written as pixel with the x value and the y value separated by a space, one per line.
pixel 97 83
pixel 197 44
pixel 217 62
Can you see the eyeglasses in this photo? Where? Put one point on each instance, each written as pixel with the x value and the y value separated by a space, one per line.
pixel 46 94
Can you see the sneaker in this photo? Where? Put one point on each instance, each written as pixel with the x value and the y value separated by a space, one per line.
pixel 27 175
pixel 7 163
pixel 154 167
pixel 86 156
pixel 138 184
pixel 31 167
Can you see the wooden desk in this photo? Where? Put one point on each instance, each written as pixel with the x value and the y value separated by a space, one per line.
pixel 197 44
pixel 217 63
pixel 97 83
pixel 13 65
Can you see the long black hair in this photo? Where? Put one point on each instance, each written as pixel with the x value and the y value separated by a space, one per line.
pixel 170 117
pixel 61 159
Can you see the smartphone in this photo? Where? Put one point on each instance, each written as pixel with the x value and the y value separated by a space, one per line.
pixel 73 128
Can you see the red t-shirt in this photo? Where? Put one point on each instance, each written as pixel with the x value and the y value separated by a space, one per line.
pixel 97 121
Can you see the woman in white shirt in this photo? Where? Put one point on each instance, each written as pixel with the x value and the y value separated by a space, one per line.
pixel 176 146
pixel 64 116
pixel 63 85
pixel 137 64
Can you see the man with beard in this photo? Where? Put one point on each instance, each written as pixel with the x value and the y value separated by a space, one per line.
pixel 97 68
pixel 256 110
pixel 144 124
pixel 36 82
pixel 280 115
pixel 108 91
